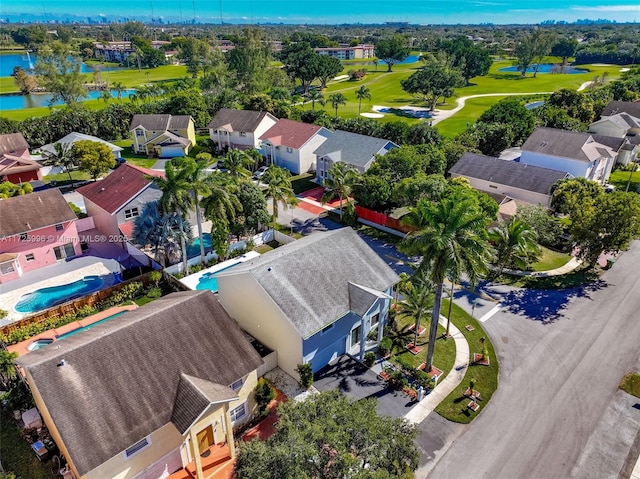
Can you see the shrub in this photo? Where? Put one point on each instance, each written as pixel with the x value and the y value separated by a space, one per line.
pixel 398 380
pixel 423 380
pixel 154 293
pixel 385 346
pixel 306 375
pixel 155 277
pixel 264 394
pixel 369 359
pixel 405 364
pixel 3 313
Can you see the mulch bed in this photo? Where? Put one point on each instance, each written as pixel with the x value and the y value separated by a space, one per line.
pixel 413 348
pixel 478 359
pixel 434 371
pixel 412 328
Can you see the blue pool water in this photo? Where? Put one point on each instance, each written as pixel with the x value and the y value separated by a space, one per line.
pixel 209 280
pixel 534 105
pixel 547 68
pixel 47 297
pixel 193 249
pixel 85 328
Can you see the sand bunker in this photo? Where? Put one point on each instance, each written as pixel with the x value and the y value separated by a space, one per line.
pixel 372 115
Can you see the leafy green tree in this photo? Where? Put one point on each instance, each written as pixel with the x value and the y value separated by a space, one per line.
pixel 337 99
pixel 339 183
pixel 392 50
pixel 436 79
pixel 575 104
pixel 328 68
pixel 515 245
pixel 408 191
pixel 32 37
pixel 472 60
pixel 63 157
pixel 301 62
pixel 189 102
pixel 372 192
pixel 531 50
pixel 330 436
pixel 26 83
pixel 60 74
pixel 238 163
pixel 193 53
pixel 564 48
pixel 493 138
pixel 279 188
pixel 513 113
pixel 93 157
pixel 119 88
pixel 569 195
pixel 254 209
pixel 8 189
pixel 249 61
pixel 362 93
pixel 546 226
pixel 221 206
pixel 451 238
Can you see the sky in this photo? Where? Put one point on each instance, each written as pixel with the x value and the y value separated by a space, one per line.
pixel 326 11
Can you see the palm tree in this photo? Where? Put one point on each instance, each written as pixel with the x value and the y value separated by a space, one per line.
pixel 119 88
pixel 62 157
pixel 221 205
pixel 279 188
pixel 515 245
pixel 339 182
pixel 133 98
pixel 418 300
pixel 451 237
pixel 237 161
pixel 176 198
pixel 105 95
pixel 362 93
pixel 254 156
pixel 337 99
pixel 8 370
pixel 316 96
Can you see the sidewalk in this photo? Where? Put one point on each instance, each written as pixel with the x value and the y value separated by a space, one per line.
pixel 419 412
pixel 567 268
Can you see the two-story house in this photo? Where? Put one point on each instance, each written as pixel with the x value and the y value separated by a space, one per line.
pixel 239 129
pixel 621 120
pixel 146 393
pixel 16 164
pixel 573 152
pixel 312 300
pixel 292 145
pixel 163 136
pixel 36 230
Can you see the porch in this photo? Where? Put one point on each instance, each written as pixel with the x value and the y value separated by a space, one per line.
pixel 216 464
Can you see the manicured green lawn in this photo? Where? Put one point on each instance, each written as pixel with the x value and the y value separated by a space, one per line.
pixel 7 85
pixel 631 384
pixel 139 160
pixel 62 179
pixel 550 260
pixel 17 456
pixel 454 406
pixel 301 183
pixel 474 107
pixel 620 178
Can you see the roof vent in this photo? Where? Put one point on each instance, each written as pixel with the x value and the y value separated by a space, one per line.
pixel 61 363
pixel 102 189
pixel 269 268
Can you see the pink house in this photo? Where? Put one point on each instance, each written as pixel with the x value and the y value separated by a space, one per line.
pixel 16 164
pixel 36 230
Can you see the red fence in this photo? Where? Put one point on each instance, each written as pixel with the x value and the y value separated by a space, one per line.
pixel 381 219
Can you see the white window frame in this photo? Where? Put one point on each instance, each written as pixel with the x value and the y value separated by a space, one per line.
pixel 237 385
pixel 131 213
pixel 12 268
pixel 243 134
pixel 138 446
pixel 373 325
pixel 289 149
pixel 59 227
pixel 234 412
pixel 139 132
pixel 26 257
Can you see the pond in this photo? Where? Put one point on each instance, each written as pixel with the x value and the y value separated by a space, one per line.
pixel 28 61
pixel 16 101
pixel 409 59
pixel 548 68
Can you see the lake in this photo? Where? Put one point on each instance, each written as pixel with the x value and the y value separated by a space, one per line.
pixel 7 62
pixel 548 68
pixel 17 101
pixel 409 59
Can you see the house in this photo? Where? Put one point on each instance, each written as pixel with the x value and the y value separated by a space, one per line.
pixel 36 230
pixel 71 138
pixel 164 136
pixel 312 300
pixel 16 164
pixel 517 180
pixel 239 129
pixel 347 52
pixel 119 51
pixel 145 393
pixel 292 145
pixel 574 152
pixel 116 201
pixel 356 150
pixel 615 107
pixel 619 126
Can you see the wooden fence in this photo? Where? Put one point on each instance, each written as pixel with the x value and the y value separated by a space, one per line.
pixel 382 219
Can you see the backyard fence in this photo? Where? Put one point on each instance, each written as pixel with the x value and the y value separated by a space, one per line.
pixel 270 362
pixel 381 219
pixel 85 224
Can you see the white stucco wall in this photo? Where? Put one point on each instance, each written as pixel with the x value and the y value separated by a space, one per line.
pixel 576 168
pixel 515 193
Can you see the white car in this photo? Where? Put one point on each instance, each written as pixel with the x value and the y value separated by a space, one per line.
pixel 259 173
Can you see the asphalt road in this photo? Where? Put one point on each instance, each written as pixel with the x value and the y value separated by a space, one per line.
pixel 558 412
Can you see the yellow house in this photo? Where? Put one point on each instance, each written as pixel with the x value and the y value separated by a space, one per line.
pixel 163 136
pixel 145 394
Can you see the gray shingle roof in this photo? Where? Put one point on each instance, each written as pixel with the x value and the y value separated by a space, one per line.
pixel 309 278
pixel 556 142
pixel 239 120
pixel 352 148
pixel 25 213
pixel 510 173
pixel 121 377
pixel 611 141
pixel 362 298
pixel 150 122
pixel 614 107
pixel 179 122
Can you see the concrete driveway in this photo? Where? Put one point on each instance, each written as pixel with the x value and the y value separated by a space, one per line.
pixel 558 412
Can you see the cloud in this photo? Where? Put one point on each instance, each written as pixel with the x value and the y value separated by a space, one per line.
pixel 608 8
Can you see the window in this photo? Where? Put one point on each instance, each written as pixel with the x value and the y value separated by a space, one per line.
pixel 238 412
pixel 23 236
pixel 64 251
pixel 131 213
pixel 289 149
pixel 139 132
pixel 236 386
pixel 327 328
pixel 493 186
pixel 373 321
pixel 7 268
pixel 243 133
pixel 29 257
pixel 137 447
pixel 59 227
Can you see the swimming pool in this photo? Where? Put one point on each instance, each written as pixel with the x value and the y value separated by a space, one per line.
pixel 47 297
pixel 86 328
pixel 210 281
pixel 193 249
pixel 547 68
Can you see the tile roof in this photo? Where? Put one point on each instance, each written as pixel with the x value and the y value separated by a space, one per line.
pixel 21 214
pixel 614 107
pixel 563 144
pixel 12 143
pixel 509 173
pixel 352 148
pixel 309 278
pixel 118 188
pixel 10 164
pixel 293 134
pixel 238 120
pixel 120 379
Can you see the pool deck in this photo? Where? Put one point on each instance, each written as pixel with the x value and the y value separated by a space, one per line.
pixel 192 280
pixel 22 347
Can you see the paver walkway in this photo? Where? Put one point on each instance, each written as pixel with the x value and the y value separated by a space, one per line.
pixel 572 264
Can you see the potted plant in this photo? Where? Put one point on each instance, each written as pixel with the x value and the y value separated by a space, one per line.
pixel 369 359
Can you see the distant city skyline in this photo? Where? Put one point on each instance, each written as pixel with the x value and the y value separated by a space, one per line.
pixel 326 12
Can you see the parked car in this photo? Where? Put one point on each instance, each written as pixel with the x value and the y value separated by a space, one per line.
pixel 259 173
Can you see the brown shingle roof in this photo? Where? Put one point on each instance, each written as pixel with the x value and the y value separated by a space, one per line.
pixel 290 133
pixel 179 122
pixel 22 214
pixel 118 188
pixel 238 120
pixel 120 378
pixel 150 122
pixel 13 142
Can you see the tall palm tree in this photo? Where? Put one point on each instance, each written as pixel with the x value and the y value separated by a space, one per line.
pixel 176 198
pixel 237 161
pixel 362 93
pixel 339 183
pixel 119 88
pixel 254 157
pixel 221 205
pixel 337 99
pixel 62 157
pixel 451 237
pixel 279 188
pixel 515 245
pixel 418 300
pixel 316 96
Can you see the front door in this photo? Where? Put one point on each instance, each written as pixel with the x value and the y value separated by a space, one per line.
pixel 205 439
pixel 355 337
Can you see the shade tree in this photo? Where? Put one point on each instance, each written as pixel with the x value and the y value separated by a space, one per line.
pixel 392 50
